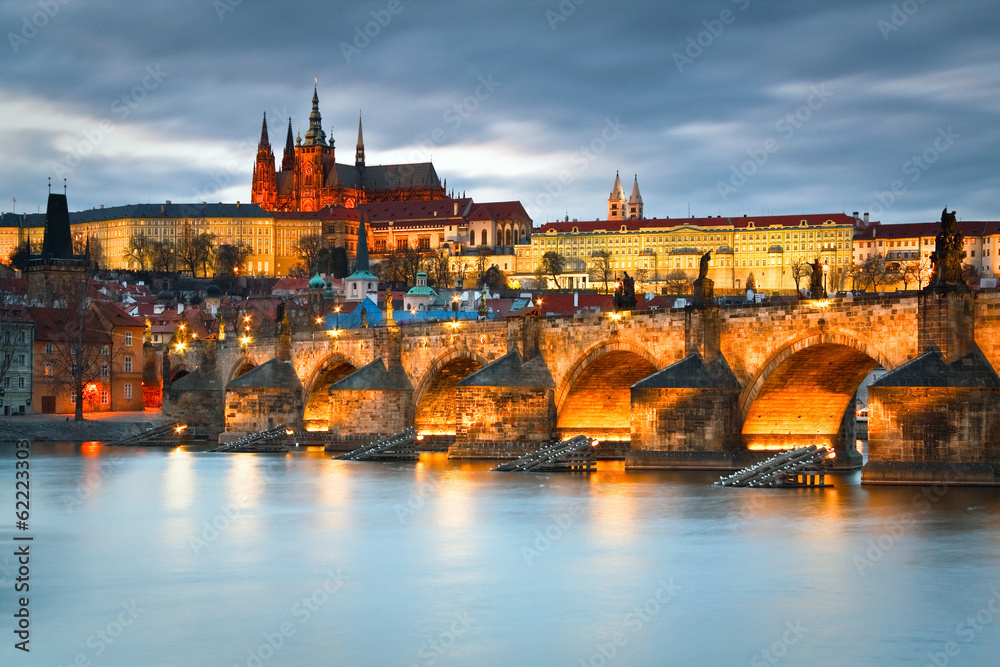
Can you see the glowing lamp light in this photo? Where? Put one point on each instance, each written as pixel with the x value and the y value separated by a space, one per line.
pixel 289 432
pixel 244 340
pixel 180 428
pixel 832 455
pixel 180 347
pixel 453 325
pixel 319 320
pixel 420 437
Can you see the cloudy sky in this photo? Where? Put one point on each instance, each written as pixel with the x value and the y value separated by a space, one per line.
pixel 727 107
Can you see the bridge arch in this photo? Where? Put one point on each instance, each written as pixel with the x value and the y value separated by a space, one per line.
pixel 433 398
pixel 242 366
pixel 316 397
pixel 595 397
pixel 804 393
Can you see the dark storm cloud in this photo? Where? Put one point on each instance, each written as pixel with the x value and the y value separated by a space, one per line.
pixel 694 89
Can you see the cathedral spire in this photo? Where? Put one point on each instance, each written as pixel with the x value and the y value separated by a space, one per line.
pixel 264 141
pixel 288 159
pixel 359 155
pixel 315 136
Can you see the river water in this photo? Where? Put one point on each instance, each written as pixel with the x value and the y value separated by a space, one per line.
pixel 151 557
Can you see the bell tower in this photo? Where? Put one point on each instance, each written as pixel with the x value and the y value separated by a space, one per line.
pixel 616 202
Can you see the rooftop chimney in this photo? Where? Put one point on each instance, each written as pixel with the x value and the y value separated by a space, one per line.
pixel 866 217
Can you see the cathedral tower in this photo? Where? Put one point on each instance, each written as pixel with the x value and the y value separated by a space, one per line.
pixel 264 191
pixel 311 161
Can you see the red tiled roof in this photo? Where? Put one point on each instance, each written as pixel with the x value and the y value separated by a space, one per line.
pixel 499 210
pixel 383 212
pixel 59 324
pixel 926 229
pixel 116 316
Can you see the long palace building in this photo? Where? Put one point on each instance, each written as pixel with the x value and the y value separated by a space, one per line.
pixel 310 178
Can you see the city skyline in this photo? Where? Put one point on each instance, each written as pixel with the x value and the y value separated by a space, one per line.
pixel 723 110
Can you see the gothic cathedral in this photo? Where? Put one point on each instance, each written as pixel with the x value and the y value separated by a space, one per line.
pixel 311 179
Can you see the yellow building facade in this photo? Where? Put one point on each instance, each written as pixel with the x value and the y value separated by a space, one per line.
pixel 651 249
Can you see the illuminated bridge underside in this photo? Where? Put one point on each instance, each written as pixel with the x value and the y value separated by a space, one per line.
pixel 435 414
pixel 599 402
pixel 317 410
pixel 804 400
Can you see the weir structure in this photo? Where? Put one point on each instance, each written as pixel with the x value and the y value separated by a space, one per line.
pixel 704 387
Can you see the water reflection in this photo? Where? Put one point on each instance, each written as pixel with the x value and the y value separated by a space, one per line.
pixel 557 561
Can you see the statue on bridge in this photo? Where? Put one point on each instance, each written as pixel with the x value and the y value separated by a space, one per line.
pixel 948 254
pixel 703 267
pixel 816 281
pixel 704 287
pixel 624 298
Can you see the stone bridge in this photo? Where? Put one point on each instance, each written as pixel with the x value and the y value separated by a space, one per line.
pixel 686 388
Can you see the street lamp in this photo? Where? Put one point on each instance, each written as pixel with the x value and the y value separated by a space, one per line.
pixel 826 270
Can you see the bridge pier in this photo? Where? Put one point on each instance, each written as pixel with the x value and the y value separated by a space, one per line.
pixel 936 419
pixel 371 403
pixel 505 409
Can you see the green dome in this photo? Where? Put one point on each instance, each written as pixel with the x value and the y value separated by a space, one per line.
pixel 316 282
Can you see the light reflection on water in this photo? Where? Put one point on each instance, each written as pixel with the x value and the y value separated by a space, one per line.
pixel 447 563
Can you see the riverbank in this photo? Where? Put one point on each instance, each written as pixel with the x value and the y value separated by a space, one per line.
pixel 106 427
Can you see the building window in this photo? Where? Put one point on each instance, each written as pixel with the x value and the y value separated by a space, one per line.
pixel 21 337
pixel 105 398
pixel 22 360
pixel 105 350
pixel 127 389
pixel 48 348
pixel 72 397
pixel 128 364
pixel 104 370
pixel 6 381
pixel 48 370
pixel 20 383
pixel 128 338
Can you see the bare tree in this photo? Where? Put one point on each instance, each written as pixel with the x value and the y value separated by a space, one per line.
pixel 909 272
pixel 676 281
pixel 162 256
pixel 800 269
pixel 641 275
pixel 138 252
pixel 309 247
pixel 195 249
pixel 440 270
pixel 873 271
pixel 600 271
pixel 494 278
pixel 230 256
pixel 552 265
pixel 90 245
pixel 460 267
